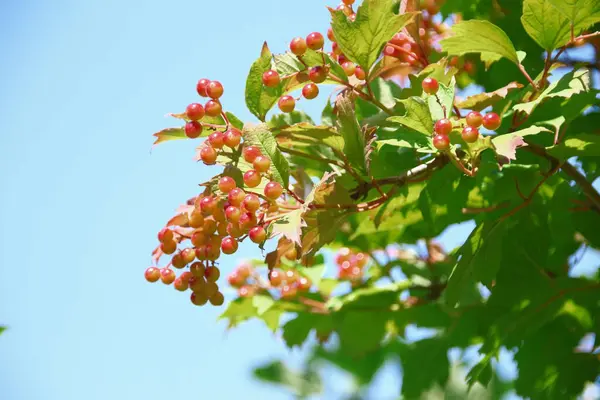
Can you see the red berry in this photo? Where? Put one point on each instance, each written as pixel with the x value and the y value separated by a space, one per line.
pixel 273 190
pixel 236 196
pixel 188 256
pixel 233 214
pixel 251 203
pixel 208 155
pixel 341 59
pixel 443 127
pixel 298 46
pixel 250 153
pixel 208 206
pixel 335 49
pixel 247 221
pixel 276 278
pixel 286 104
pixel 180 285
pixel 261 164
pixel 441 142
pixel 474 119
pixel 246 291
pixel 177 261
pixel 229 245
pixel 165 235
pixel 360 73
pixel 315 41
pixel 215 140
pixel 317 74
pixel 232 138
pixel 348 2
pixel 257 234
pixel 152 274
pixel 302 77
pixel 399 39
pixel 167 275
pixel 391 51
pixel 271 78
pixel 491 121
pixel 470 134
pixel 213 108
pixel 235 279
pixel 212 274
pixel 349 68
pixel 252 178
pixel 214 89
pixel 330 35
pixel 430 85
pixel 304 284
pixel 168 247
pixel 195 111
pixel 201 87
pixel 288 291
pixel 197 269
pixel 198 298
pixel 193 129
pixel 310 91
pixel 226 184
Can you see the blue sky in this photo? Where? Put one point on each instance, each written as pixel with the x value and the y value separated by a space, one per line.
pixel 83 85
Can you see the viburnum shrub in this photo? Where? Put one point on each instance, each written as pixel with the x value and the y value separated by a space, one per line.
pixel 441 113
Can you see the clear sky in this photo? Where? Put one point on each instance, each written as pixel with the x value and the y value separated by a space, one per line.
pixel 83 85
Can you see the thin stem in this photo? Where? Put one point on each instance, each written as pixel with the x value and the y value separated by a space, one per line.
pixel 365 96
pixel 522 69
pixel 295 196
pixel 313 157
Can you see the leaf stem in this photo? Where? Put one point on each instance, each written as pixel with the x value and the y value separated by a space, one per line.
pixel 527 76
pixel 365 96
pixel 313 157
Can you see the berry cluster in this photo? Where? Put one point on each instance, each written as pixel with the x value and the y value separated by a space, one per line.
pixel 351 264
pixel 195 112
pixel 474 119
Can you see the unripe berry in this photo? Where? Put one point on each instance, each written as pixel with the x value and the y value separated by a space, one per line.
pixel 232 138
pixel 276 278
pixel 198 299
pixel 217 299
pixel 236 196
pixel 443 127
pixel 211 288
pixel 234 230
pixel 310 91
pixel 474 119
pixel 201 87
pixel 168 247
pixel 286 104
pixel 315 41
pixel 291 254
pixel 188 256
pixel 199 238
pixel 185 276
pixel 335 49
pixel 258 234
pixel 252 178
pixel 330 35
pixel 251 203
pixel 317 74
pixel 250 153
pixel 210 226
pixel 441 142
pixel 214 89
pixel 167 276
pixel 222 228
pixel 229 245
pixel 165 235
pixel 261 164
pixel 180 285
pixel 226 184
pixel 215 140
pixel 430 86
pixel 349 68
pixel 246 291
pixel 288 291
pixel 298 46
pixel 177 261
pixel 360 73
pixel 470 134
pixel 213 108
pixel 193 129
pixel 196 219
pixel 271 78
pixel 233 214
pixel 208 155
pixel 492 121
pixel 212 274
pixel 273 190
pixel 194 111
pixel 152 274
pixel 197 269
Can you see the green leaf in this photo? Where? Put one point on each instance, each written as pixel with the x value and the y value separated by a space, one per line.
pixel 410 140
pixel 417 117
pixel 300 384
pixel 259 98
pixel 360 331
pixel 286 119
pixel 261 137
pixel 481 37
pixel 483 100
pixel 169 134
pixel 296 331
pixel 290 225
pixel 581 13
pixel 289 64
pixel 431 353
pixel 314 273
pixel 239 310
pixel 582 145
pixel 443 108
pixel 548 27
pixel 307 134
pixel 362 40
pixel 506 145
pixel 354 137
pixel 2 329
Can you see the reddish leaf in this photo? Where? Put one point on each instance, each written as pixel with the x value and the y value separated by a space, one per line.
pixel 484 100
pixel 506 145
pixel 169 134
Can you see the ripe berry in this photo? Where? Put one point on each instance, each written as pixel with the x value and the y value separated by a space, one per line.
pixel 197 269
pixel 212 274
pixel 250 153
pixel 229 245
pixel 152 274
pixel 360 73
pixel 310 91
pixel 302 77
pixel 315 41
pixel 273 190
pixel 317 74
pixel 232 138
pixel 236 196
pixel 177 261
pixel 304 284
pixel 474 119
pixel 185 276
pixel 196 219
pixel 330 35
pixel 430 85
pixel 201 87
pixel 470 134
pixel 165 235
pixel 261 164
pixel 246 291
pixel 252 178
pixel 234 230
pixel 211 288
pixel 214 89
pixel 168 247
pixel 193 129
pixel 391 51
pixel 298 46
pixel 199 238
pixel 335 49
pixel 251 203
pixel 213 108
pixel 180 285
pixel 349 68
pixel 208 205
pixel 443 127
pixel 341 59
pixel 348 2
pixel 187 256
pixel 208 155
pixel 441 142
pixel 399 39
pixel 286 104
pixel 276 278
pixel 198 299
pixel 288 291
pixel 235 280
pixel 194 111
pixel 167 275
pixel 258 234
pixel 226 184
pixel 271 78
pixel 215 140
pixel 491 121
pixel 217 299
pixel 247 221
pixel 233 214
